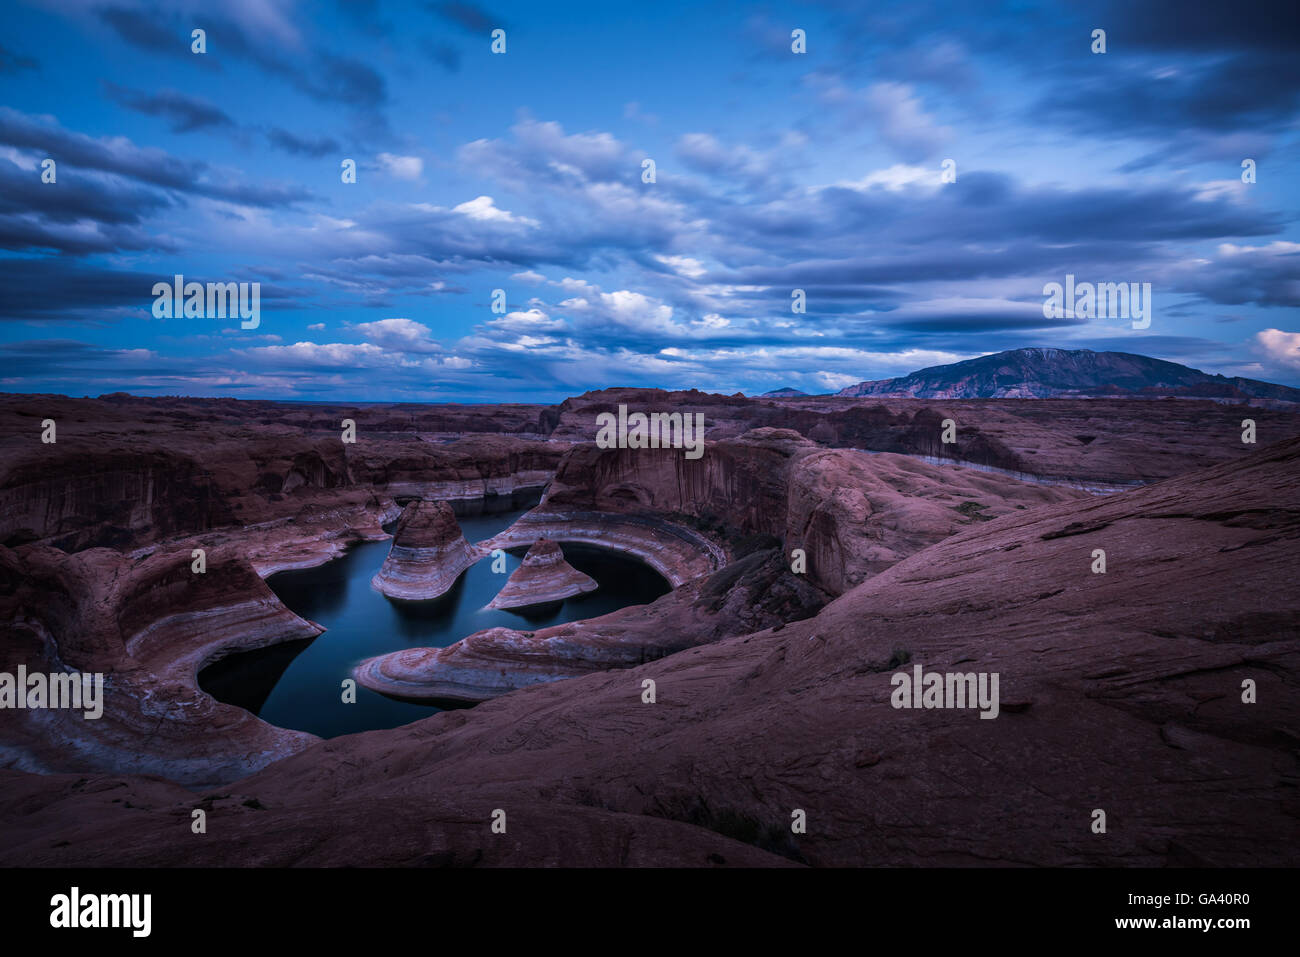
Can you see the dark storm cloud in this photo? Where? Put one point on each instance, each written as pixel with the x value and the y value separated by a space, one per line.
pixel 62 288
pixel 1178 25
pixel 185 114
pixel 986 225
pixel 143 29
pixel 1173 66
pixel 299 145
pixel 1268 276
pixel 151 166
pixel 58 287
pixel 974 322
pixel 76 199
pixel 25 234
pixel 468 16
pixel 1250 91
pixel 320 74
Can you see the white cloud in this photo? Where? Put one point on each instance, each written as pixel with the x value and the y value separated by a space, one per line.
pixel 401 167
pixel 896 178
pixel 683 265
pixel 1280 347
pixel 482 209
pixel 529 319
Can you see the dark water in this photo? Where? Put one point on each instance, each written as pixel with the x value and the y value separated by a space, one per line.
pixel 299 684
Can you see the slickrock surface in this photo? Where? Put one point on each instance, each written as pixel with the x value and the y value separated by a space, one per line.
pixel 150 623
pixel 543 577
pixel 128 472
pixel 851 513
pixel 1111 441
pixel 428 554
pixel 1119 691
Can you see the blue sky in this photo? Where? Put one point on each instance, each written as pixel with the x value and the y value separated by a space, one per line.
pixel 523 171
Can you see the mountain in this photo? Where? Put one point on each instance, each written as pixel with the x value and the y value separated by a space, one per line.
pixel 1040 373
pixel 786 393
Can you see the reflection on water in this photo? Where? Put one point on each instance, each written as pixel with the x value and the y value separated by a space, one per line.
pixel 299 684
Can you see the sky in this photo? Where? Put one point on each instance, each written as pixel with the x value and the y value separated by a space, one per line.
pixel 525 171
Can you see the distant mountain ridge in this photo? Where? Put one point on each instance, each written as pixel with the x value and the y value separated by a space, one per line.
pixel 1043 373
pixel 785 393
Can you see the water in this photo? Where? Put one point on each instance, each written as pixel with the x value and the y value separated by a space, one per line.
pixel 299 684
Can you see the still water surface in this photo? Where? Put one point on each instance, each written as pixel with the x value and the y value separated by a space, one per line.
pixel 299 684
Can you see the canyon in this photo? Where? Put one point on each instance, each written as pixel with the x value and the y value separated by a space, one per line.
pixel 818 545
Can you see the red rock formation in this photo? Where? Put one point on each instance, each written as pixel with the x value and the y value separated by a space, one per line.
pixel 851 514
pixel 149 624
pixel 1121 691
pixel 128 472
pixel 543 577
pixel 428 554
pixel 754 592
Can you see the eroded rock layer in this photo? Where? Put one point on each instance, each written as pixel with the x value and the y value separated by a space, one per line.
pixel 1121 691
pixel 753 592
pixel 544 576
pixel 764 699
pixel 428 554
pixel 842 516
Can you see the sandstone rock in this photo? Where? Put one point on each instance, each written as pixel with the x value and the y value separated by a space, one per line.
pixel 752 593
pixel 543 577
pixel 1120 690
pixel 756 724
pixel 428 554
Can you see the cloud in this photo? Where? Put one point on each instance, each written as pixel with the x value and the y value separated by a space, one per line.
pixel 401 167
pixel 52 288
pixel 400 334
pixel 468 16
pixel 1268 275
pixel 484 210
pixel 893 109
pixel 1281 348
pixel 314 147
pixel 120 156
pixel 528 321
pixel 184 114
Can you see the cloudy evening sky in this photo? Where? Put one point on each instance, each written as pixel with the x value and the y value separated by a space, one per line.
pixel 523 171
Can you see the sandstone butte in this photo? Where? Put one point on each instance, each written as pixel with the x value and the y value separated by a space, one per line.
pixel 544 576
pixel 1120 691
pixel 428 554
